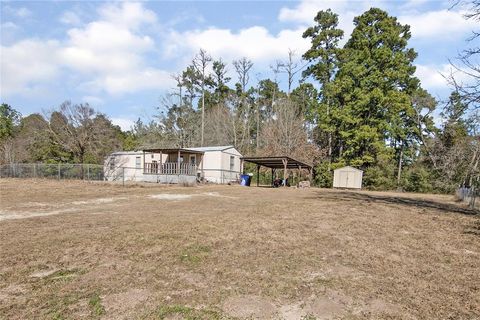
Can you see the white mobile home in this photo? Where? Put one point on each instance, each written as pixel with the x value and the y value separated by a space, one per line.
pixel 347 177
pixel 175 165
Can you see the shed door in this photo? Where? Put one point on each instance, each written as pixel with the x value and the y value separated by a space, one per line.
pixel 351 179
pixel 343 179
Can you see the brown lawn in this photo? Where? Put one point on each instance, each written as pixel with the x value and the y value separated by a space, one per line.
pixel 73 250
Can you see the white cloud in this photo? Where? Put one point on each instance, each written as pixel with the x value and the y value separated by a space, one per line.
pixel 432 77
pixel 26 63
pixel 134 81
pixel 433 24
pixel 112 50
pixel 21 12
pixel 92 100
pixel 108 55
pixel 306 10
pixel 71 18
pixel 124 123
pixel 129 14
pixel 441 24
pixel 255 43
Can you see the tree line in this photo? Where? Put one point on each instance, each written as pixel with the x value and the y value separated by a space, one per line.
pixel 357 103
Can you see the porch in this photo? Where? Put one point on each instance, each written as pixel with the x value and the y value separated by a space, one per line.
pixel 162 161
pixel 170 168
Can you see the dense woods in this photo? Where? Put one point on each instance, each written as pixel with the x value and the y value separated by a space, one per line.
pixel 352 101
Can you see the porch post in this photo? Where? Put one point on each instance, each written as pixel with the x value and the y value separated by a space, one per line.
pixel 161 163
pixel 178 162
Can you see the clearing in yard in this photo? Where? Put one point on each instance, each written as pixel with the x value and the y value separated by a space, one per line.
pixel 73 250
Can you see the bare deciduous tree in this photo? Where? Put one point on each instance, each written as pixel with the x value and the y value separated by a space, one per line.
pixel 291 68
pixel 242 67
pixel 201 62
pixel 284 134
pixel 80 130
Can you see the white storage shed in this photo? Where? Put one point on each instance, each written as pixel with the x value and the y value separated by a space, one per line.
pixel 347 177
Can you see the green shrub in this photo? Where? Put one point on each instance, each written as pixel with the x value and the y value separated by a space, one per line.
pixel 417 179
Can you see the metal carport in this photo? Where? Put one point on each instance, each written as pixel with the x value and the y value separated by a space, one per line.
pixel 278 162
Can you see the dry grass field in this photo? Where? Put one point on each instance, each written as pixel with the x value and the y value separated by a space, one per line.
pixel 77 250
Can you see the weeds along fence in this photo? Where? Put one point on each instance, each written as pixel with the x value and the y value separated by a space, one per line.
pixel 467 195
pixel 59 171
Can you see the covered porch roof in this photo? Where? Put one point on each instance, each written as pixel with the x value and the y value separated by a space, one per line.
pixel 172 150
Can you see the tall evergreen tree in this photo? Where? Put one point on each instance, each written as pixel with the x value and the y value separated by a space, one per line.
pixel 323 56
pixel 375 84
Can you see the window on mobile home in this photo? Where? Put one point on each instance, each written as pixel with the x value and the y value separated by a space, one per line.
pixel 138 162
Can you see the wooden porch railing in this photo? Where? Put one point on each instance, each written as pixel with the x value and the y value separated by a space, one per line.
pixel 170 168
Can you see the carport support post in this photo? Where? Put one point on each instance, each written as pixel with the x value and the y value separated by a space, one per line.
pixel 258 175
pixel 285 162
pixel 272 176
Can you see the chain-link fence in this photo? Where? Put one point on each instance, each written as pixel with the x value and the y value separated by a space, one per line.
pixel 123 174
pixel 53 171
pixel 467 195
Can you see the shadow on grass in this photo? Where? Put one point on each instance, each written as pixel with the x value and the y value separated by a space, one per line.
pixel 372 198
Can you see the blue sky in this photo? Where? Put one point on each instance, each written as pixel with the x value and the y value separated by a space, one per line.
pixel 119 56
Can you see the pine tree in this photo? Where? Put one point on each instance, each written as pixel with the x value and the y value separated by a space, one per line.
pixel 375 83
pixel 324 58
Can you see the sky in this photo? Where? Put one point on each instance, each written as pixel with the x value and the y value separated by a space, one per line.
pixel 120 56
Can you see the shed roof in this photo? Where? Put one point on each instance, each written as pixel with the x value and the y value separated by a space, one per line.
pixel 276 162
pixel 348 168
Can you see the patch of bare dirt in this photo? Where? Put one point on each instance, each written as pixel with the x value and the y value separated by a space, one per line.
pixel 122 305
pixel 249 306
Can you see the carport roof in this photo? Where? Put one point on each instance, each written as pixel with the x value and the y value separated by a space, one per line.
pixel 276 162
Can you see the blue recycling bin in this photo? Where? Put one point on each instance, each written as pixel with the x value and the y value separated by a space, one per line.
pixel 245 180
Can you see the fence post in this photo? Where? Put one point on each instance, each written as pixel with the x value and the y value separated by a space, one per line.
pixel 34 170
pixel 123 176
pixel 58 171
pixel 88 172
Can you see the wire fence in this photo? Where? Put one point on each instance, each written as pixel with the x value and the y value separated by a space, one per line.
pixel 122 174
pixel 59 171
pixel 468 195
